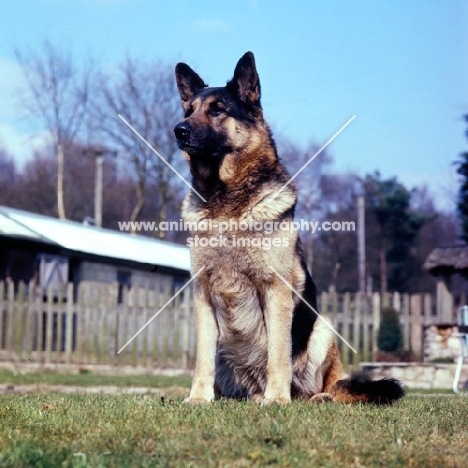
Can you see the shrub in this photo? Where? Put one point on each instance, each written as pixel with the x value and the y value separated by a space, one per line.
pixel 390 337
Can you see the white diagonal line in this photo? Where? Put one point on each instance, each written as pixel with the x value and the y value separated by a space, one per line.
pixel 313 157
pixel 160 157
pixel 313 310
pixel 160 310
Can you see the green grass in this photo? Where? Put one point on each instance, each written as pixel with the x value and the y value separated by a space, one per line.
pixel 89 379
pixel 125 431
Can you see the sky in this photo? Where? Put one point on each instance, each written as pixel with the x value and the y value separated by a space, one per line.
pixel 400 66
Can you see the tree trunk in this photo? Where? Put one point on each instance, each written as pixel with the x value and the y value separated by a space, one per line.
pixel 98 189
pixel 162 211
pixel 140 191
pixel 336 270
pixel 383 271
pixel 361 244
pixel 60 202
pixel 310 254
pixel 162 217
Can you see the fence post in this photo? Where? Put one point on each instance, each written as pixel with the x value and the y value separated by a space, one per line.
pixel 103 316
pixel 153 304
pixel 444 300
pixel 29 323
pixel 345 329
pixel 406 320
pixel 19 319
pixel 133 308
pixel 146 330
pixel 60 312
pixel 416 342
pixel 165 323
pixel 385 299
pixel 124 329
pixel 10 325
pixel 69 325
pixel 334 297
pixel 87 340
pixel 357 329
pixel 49 323
pixel 80 331
pixel 427 309
pixel 39 316
pixel 375 321
pixel 113 309
pixel 366 345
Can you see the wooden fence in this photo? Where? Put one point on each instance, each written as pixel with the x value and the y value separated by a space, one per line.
pixel 357 318
pixel 90 325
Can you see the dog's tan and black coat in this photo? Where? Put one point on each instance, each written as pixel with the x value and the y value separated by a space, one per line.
pixel 255 338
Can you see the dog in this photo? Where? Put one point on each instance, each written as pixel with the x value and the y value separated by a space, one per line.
pixel 259 336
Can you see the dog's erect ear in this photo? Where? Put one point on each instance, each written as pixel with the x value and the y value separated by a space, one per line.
pixel 246 83
pixel 188 82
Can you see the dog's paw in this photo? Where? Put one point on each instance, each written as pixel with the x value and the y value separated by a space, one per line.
pixel 257 398
pixel 276 394
pixel 322 398
pixel 275 401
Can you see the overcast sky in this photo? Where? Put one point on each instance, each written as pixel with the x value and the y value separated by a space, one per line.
pixel 400 66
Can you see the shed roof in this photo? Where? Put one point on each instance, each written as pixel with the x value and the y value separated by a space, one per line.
pixel 77 237
pixel 447 260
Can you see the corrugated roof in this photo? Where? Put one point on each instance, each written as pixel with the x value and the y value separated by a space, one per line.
pixel 91 240
pixel 13 228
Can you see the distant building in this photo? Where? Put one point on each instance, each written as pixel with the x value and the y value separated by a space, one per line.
pixel 444 263
pixel 55 252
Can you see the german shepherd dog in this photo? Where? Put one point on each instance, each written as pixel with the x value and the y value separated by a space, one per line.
pixel 256 338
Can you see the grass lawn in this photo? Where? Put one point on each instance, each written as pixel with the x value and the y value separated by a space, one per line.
pixel 89 379
pixel 53 430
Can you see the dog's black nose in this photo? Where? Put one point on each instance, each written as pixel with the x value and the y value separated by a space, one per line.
pixel 182 131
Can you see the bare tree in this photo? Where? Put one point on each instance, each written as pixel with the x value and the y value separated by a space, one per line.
pixel 7 177
pixel 57 94
pixel 34 186
pixel 336 259
pixel 310 205
pixel 146 96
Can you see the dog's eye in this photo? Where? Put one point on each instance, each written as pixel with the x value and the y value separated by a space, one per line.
pixel 216 110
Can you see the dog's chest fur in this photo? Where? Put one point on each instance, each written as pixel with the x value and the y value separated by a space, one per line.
pixel 234 282
pixel 237 272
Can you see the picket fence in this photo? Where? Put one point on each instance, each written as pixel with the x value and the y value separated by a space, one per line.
pixel 90 325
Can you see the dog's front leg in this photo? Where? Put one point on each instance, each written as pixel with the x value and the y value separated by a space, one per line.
pixel 202 390
pixel 278 318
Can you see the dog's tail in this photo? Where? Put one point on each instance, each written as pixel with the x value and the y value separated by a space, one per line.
pixel 359 387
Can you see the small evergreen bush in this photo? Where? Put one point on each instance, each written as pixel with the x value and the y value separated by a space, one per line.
pixel 390 336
